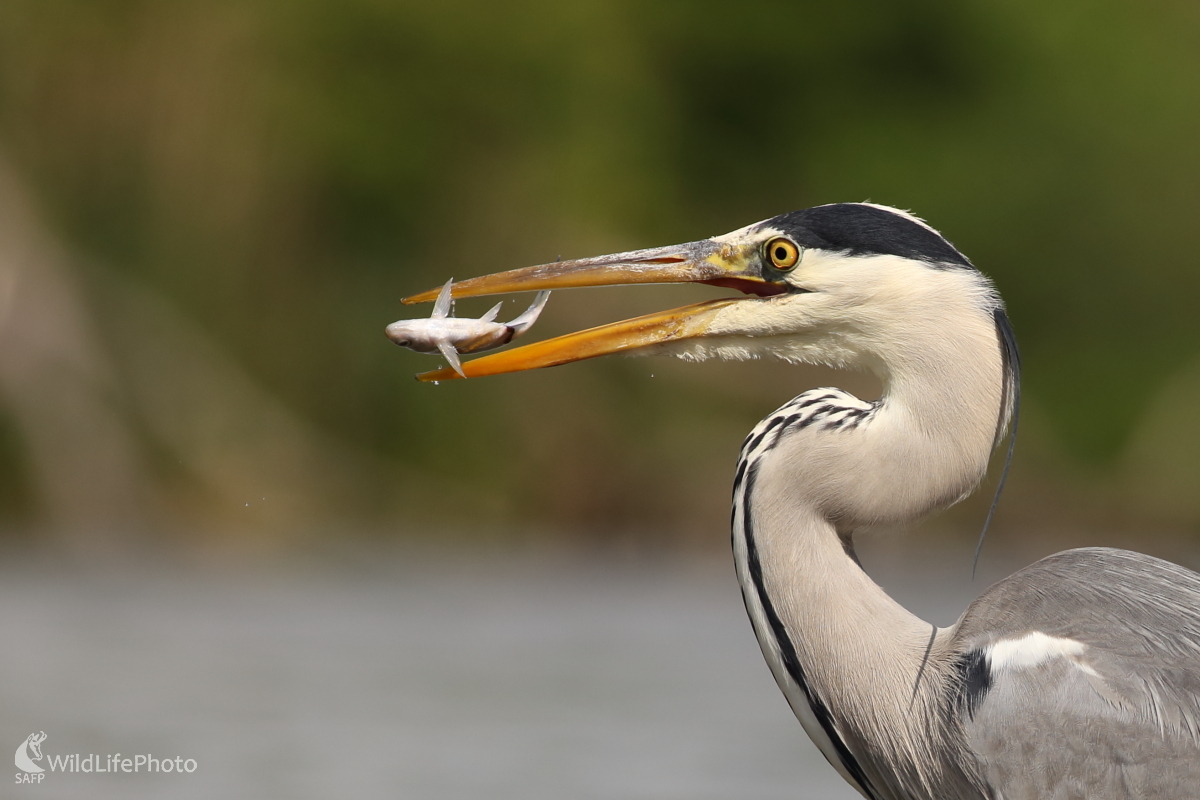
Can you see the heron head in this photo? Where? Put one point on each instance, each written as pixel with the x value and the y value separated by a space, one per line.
pixel 829 284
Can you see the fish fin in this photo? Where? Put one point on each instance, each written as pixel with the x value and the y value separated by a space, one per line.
pixel 450 354
pixel 526 320
pixel 491 315
pixel 444 304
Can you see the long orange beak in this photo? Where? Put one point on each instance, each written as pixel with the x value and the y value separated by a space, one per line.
pixel 732 265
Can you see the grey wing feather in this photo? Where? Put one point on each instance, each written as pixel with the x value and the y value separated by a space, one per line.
pixel 1118 717
pixel 445 302
pixel 451 355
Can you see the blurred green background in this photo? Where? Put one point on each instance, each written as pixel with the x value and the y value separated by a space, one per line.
pixel 209 211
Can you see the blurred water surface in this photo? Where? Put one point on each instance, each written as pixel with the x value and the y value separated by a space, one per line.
pixel 414 677
pixel 388 673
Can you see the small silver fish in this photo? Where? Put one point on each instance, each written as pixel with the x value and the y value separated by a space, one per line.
pixel 450 336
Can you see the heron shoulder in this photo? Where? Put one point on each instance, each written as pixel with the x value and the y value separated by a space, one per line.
pixel 1087 652
pixel 1103 597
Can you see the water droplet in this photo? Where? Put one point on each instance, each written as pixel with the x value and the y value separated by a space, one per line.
pixel 436 383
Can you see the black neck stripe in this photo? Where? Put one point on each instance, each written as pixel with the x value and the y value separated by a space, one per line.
pixel 787 650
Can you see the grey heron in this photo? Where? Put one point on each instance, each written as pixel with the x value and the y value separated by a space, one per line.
pixel 1078 676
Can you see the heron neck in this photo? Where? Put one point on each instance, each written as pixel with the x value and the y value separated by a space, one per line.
pixel 856 649
pixel 939 415
pixel 836 614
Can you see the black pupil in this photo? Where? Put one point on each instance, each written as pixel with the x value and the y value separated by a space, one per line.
pixel 781 253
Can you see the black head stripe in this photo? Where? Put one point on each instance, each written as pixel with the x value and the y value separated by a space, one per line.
pixel 865 230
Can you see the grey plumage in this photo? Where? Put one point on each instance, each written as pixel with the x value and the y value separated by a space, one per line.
pixel 1112 713
pixel 1077 677
pixel 1123 720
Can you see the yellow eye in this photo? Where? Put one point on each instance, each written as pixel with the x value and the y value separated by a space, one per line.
pixel 783 253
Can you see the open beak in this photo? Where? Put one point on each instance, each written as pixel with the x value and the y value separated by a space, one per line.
pixel 718 263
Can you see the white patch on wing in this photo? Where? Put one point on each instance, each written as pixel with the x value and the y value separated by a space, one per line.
pixel 1034 649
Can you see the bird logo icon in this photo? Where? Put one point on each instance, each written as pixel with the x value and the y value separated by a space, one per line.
pixel 29 751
